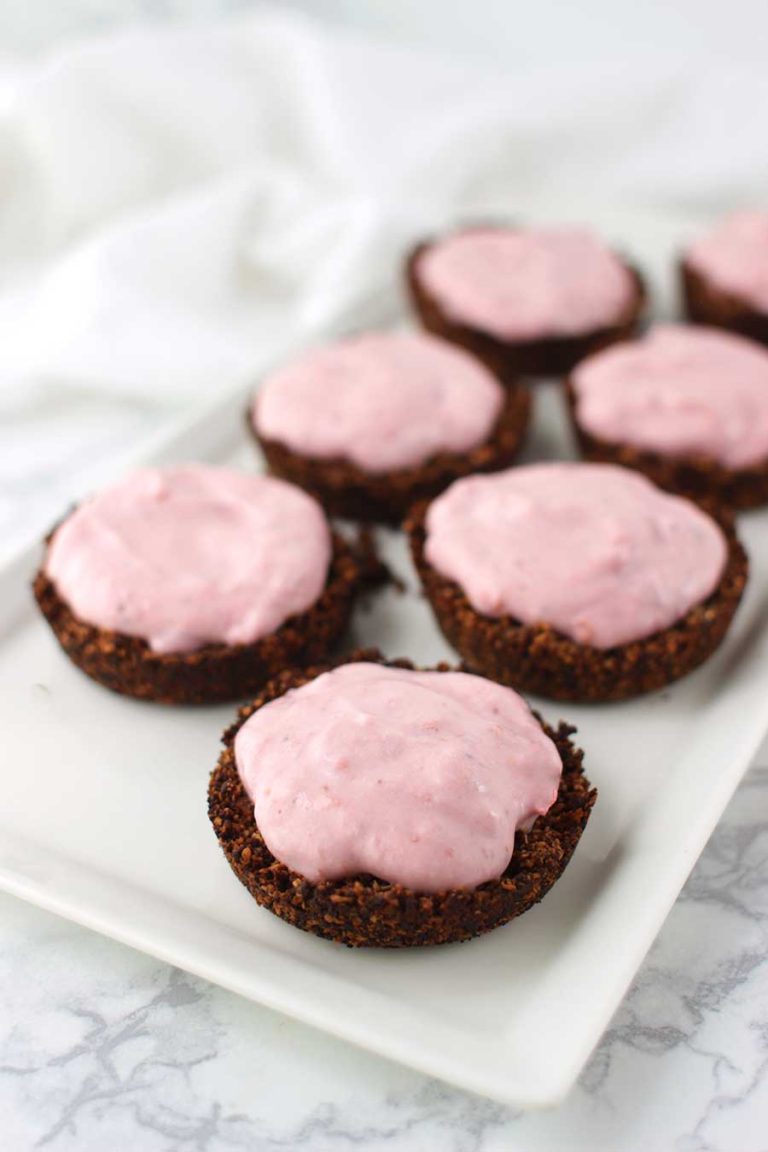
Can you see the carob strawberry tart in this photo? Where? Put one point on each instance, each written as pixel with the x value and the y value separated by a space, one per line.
pixel 686 405
pixel 577 581
pixel 196 584
pixel 372 423
pixel 725 275
pixel 526 301
pixel 375 804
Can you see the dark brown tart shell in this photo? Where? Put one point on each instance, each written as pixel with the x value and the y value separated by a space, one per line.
pixel 346 490
pixel 217 672
pixel 364 911
pixel 699 477
pixel 548 357
pixel 706 303
pixel 536 659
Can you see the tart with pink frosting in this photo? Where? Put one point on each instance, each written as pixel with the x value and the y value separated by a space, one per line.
pixel 528 301
pixel 195 584
pixel 372 803
pixel 724 275
pixel 686 405
pixel 372 423
pixel 577 581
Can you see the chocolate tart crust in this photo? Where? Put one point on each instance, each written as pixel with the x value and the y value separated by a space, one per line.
pixel 549 357
pixel 217 672
pixel 346 490
pixel 364 911
pixel 699 477
pixel 538 660
pixel 706 303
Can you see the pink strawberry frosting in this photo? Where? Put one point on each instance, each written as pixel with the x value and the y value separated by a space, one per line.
pixel 193 555
pixel 734 256
pixel 680 391
pixel 526 285
pixel 594 551
pixel 419 778
pixel 384 400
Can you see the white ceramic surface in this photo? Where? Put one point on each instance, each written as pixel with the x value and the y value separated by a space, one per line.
pixel 108 827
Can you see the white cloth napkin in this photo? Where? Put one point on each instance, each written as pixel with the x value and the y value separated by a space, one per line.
pixel 175 201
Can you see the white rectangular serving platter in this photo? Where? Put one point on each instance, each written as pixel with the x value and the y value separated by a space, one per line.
pixel 104 821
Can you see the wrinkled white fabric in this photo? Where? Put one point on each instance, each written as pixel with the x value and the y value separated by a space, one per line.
pixel 175 202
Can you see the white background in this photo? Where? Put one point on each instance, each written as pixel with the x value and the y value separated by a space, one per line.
pixel 505 32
